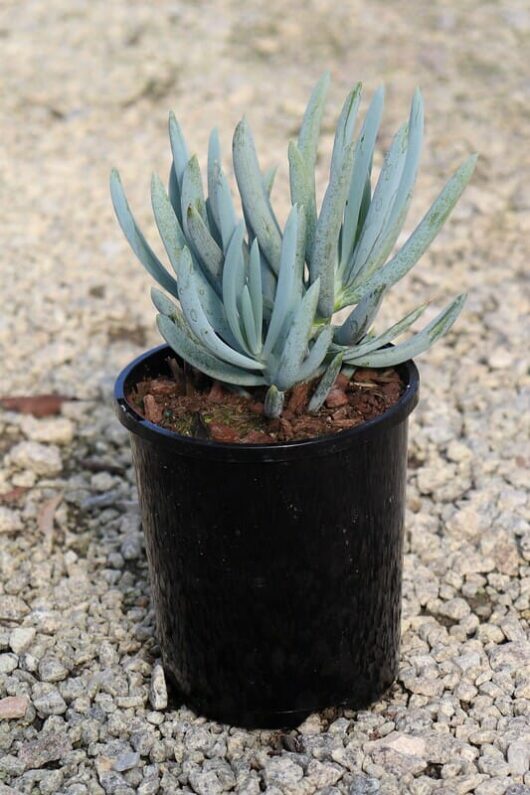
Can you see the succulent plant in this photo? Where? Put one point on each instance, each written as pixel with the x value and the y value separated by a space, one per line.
pixel 254 303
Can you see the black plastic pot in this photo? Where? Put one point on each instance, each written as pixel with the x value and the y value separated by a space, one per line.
pixel 275 569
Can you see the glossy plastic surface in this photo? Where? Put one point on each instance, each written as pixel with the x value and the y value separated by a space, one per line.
pixel 275 570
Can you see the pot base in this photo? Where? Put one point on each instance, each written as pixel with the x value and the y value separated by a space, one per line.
pixel 264 719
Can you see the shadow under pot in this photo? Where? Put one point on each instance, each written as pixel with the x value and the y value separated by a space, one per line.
pixel 275 569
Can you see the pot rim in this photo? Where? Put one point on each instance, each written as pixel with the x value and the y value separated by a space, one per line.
pixel 244 453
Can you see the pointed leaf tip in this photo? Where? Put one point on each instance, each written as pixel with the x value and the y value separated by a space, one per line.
pixel 325 384
pixel 273 404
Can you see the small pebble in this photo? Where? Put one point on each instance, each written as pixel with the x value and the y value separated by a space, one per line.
pixel 13 707
pixel 21 638
pixel 39 458
pixel 157 689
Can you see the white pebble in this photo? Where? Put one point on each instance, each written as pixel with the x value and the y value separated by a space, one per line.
pixel 10 520
pixel 55 430
pixel 39 458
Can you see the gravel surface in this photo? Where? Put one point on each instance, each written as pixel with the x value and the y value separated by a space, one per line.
pixel 87 85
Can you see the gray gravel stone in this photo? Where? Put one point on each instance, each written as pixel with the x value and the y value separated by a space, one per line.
pixel 52 670
pixel 49 747
pixel 364 785
pixel 323 775
pixel 150 786
pixel 157 689
pixel 10 520
pixel 510 656
pixel 519 756
pixel 8 663
pixel 49 702
pixel 126 761
pixel 12 608
pixel 283 773
pixel 131 547
pixel 38 458
pixel 52 430
pixel 13 707
pixel 21 638
pixel 11 765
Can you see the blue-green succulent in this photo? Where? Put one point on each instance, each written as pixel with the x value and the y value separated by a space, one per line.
pixel 251 304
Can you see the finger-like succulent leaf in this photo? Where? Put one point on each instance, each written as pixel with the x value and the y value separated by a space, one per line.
pixel 303 193
pixel 268 180
pixel 379 340
pixel 422 236
pixel 310 128
pixel 297 341
pixel 205 246
pixel 365 205
pixel 317 354
pixel 191 192
pixel 255 287
pixel 214 161
pixel 325 384
pixel 215 231
pixel 178 148
pixel 286 289
pixel 225 206
pixel 233 281
pixel 273 404
pixel 198 322
pixel 375 224
pixel 303 156
pixel 364 150
pixel 174 243
pixel 359 320
pixel 174 192
pixel 325 250
pixel 394 221
pixel 178 337
pixel 254 198
pixel 418 343
pixel 410 169
pixel 249 323
pixel 136 239
pixel 344 132
pixel 299 272
pixel 166 220
pixel 269 282
pixel 164 305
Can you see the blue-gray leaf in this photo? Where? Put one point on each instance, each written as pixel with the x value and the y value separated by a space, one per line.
pixel 136 240
pixel 178 337
pixel 422 236
pixel 205 246
pixel 196 318
pixel 325 384
pixel 178 147
pixel 364 150
pixel 359 320
pixel 325 251
pixel 420 342
pixel 317 354
pixel 286 289
pixel 273 403
pixel 297 341
pixel 253 196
